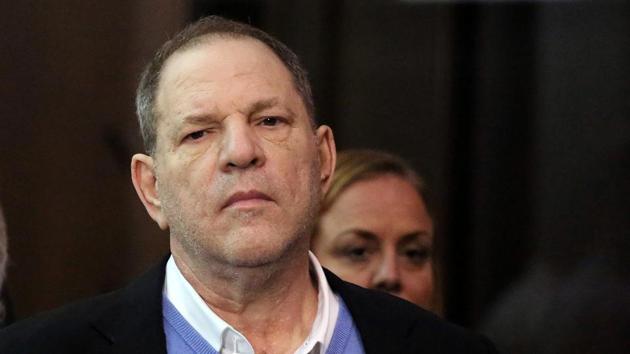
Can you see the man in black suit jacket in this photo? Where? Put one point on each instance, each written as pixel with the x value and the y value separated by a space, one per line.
pixel 130 321
pixel 235 169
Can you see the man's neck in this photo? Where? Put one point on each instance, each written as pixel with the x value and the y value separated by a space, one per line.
pixel 274 306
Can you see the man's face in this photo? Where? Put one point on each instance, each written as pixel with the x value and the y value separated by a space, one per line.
pixel 238 165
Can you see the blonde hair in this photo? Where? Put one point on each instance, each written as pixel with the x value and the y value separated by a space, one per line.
pixel 362 164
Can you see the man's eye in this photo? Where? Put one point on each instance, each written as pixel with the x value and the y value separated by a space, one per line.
pixel 270 121
pixel 196 135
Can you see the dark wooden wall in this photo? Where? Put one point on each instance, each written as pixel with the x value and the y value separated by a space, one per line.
pixel 67 132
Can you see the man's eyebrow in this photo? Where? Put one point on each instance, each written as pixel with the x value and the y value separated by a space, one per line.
pixel 267 103
pixel 257 106
pixel 198 118
pixel 262 105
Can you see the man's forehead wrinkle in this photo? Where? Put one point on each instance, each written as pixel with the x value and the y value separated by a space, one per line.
pixel 182 80
pixel 190 100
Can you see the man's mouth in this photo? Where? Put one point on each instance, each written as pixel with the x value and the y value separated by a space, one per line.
pixel 249 198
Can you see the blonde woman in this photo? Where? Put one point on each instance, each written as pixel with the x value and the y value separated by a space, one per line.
pixel 375 229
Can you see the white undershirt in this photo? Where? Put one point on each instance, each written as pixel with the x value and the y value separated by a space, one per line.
pixel 219 334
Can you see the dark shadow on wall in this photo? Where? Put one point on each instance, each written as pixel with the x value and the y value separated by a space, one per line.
pixel 575 294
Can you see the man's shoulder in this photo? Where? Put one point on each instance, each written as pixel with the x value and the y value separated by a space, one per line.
pixel 89 325
pixel 66 327
pixel 390 324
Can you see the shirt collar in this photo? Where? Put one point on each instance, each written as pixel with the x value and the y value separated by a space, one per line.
pixel 220 335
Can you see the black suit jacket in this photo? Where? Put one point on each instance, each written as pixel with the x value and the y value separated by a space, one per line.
pixel 130 321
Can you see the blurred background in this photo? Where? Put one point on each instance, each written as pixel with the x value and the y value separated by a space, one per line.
pixel 516 112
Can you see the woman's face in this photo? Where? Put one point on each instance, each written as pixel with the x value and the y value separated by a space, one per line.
pixel 379 235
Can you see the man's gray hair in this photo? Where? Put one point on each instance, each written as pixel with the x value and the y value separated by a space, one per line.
pixel 194 34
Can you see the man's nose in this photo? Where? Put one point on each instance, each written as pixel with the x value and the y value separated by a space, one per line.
pixel 387 277
pixel 240 145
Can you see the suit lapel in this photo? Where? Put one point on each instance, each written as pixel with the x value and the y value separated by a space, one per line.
pixel 381 329
pixel 133 322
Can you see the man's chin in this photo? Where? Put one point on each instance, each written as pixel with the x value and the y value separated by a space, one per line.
pixel 255 258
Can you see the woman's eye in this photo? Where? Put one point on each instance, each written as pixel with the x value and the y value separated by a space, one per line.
pixel 356 254
pixel 417 255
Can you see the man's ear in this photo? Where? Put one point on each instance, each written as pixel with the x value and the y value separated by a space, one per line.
pixel 145 183
pixel 327 155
